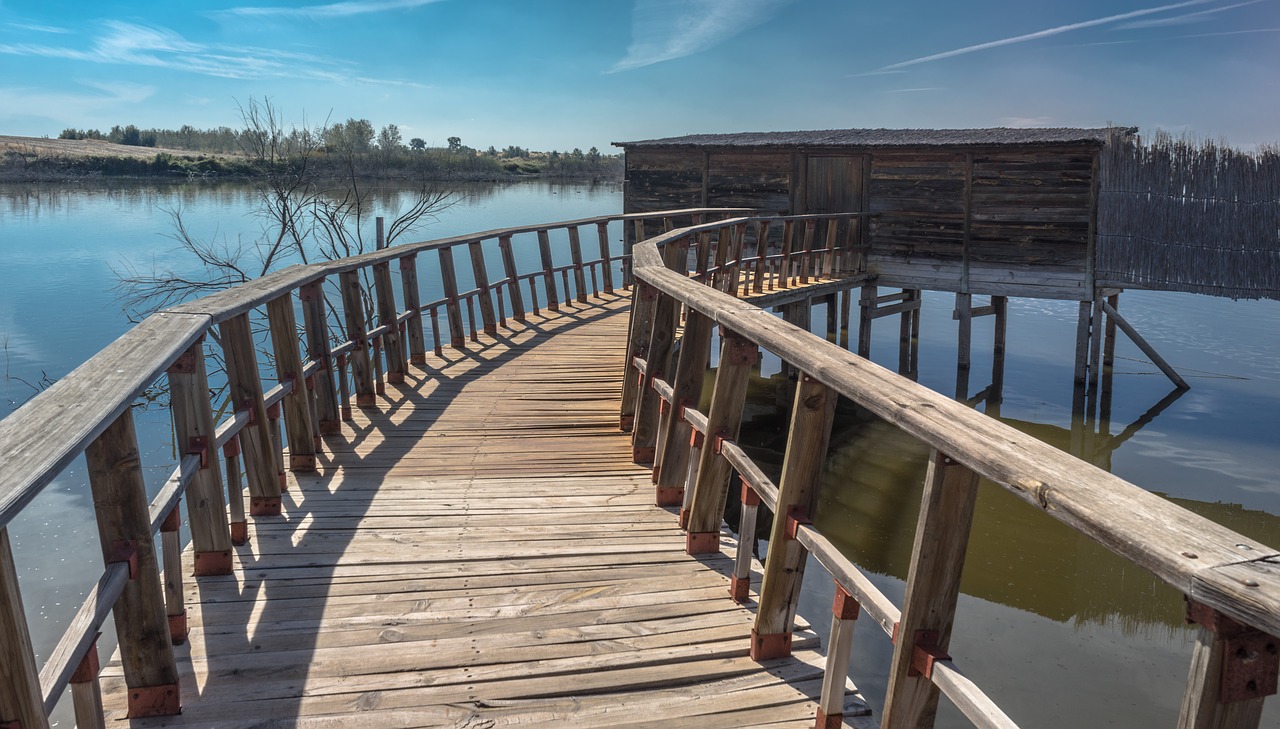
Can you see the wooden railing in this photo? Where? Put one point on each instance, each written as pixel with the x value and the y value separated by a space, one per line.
pixel 90 411
pixel 1231 582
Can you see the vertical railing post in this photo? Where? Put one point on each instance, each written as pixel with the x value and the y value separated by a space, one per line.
pixel 628 246
pixel 830 266
pixel 299 429
pixel 194 429
pixel 575 255
pixel 357 332
pixel 933 586
pixel 844 616
pixel 807 440
pixel 171 556
pixel 806 258
pixel 235 491
pixel 392 345
pixel 513 280
pixel 245 391
pixel 644 301
pixel 453 312
pixel 762 256
pixel 671 464
pixel 644 433
pixel 740 582
pixel 548 270
pixel 124 530
pixel 481 273
pixel 606 266
pixel 738 355
pixel 86 691
pixel 21 703
pixel 788 248
pixel 315 317
pixel 413 305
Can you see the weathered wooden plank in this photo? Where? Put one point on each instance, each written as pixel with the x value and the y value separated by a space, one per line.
pixel 20 697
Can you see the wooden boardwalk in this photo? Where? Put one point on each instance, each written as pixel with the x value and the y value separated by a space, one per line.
pixel 479 551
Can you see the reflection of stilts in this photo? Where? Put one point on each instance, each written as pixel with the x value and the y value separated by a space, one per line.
pixel 965 312
pixel 906 303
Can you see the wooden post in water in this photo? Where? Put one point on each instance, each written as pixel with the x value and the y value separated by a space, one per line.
pixel 548 270
pixel 392 346
pixel 644 301
pixel 245 391
pixel 575 254
pixel 194 430
pixel 413 305
pixel 672 463
pixel 481 273
pixel 315 319
pixel 357 332
pixel 1083 321
pixel 866 309
pixel 1000 307
pixel 1222 692
pixel 509 268
pixel 738 355
pixel 606 266
pixel 124 530
pixel 904 333
pixel 807 440
pixel 964 312
pixel 297 412
pixel 21 702
pixel 933 586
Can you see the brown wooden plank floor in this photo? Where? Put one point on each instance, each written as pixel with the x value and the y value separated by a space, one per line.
pixel 478 552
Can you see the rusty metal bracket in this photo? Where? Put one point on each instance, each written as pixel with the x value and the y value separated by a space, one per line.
pixel 749 495
pixel 185 364
pixel 925 653
pixel 696 439
pixel 173 521
pixel 738 349
pixel 125 550
pixel 1250 657
pixel 154 701
pixel 718 439
pixel 310 292
pixel 231 448
pixel 796 516
pixel 273 411
pixel 198 445
pixel 246 405
pixel 89 666
pixel 845 606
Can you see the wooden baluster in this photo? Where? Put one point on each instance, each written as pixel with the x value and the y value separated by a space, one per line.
pixel 316 320
pixel 548 271
pixel 195 431
pixel 245 392
pixel 1216 696
pixel 86 692
pixel 866 309
pixel 385 300
pixel 533 294
pixel 379 384
pixel 644 300
pixel 696 441
pixel 471 319
pixel 964 312
pixel 672 461
pixel 171 550
pixel 668 225
pixel 344 388
pixel 933 586
pixel 844 616
pixel 738 355
pixel 723 246
pixel 357 332
pixel 737 240
pixel 807 440
pixel 628 273
pixel 644 432
pixel 740 582
pixel 284 344
pixel 788 243
pixel 606 265
pixel 830 266
pixel 124 531
pixel 452 310
pixel 235 491
pixel 21 701
pixel 435 331
pixel 575 255
pixel 502 307
pixel 413 304
pixel 277 444
pixel 762 256
pixel 513 278
pixel 481 273
pixel 564 278
pixel 806 258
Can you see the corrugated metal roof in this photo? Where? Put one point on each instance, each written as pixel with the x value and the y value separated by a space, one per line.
pixel 885 138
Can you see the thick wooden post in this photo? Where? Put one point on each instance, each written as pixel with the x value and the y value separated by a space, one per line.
pixel 513 285
pixel 672 465
pixel 245 391
pixel 392 346
pixel 738 355
pixel 866 309
pixel 194 429
pixel 644 433
pixel 297 412
pixel 315 318
pixel 575 253
pixel 357 332
pixel 606 266
pixel 481 273
pixel 413 304
pixel 844 616
pixel 124 529
pixel 933 586
pixel 453 312
pixel 964 312
pixel 548 270
pixel 21 703
pixel 1233 670
pixel 1000 306
pixel 807 440
pixel 644 302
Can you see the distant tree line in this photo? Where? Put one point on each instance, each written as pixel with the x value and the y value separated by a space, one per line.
pixel 358 146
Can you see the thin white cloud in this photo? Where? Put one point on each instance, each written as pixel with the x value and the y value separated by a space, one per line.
pixel 1184 19
pixel 331 10
pixel 663 30
pixel 914 90
pixel 37 28
pixel 1048 32
pixel 1232 32
pixel 71 105
pixel 1026 122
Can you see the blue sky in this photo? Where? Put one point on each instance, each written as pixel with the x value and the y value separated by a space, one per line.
pixel 561 74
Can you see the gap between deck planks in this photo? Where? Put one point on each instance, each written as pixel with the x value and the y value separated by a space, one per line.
pixel 479 551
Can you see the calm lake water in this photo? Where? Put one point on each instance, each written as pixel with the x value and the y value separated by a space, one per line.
pixel 1058 631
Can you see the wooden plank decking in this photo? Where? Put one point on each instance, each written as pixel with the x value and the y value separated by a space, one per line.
pixel 480 551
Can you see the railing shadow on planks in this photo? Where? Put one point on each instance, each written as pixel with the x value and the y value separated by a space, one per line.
pixel 343 348
pixel 1231 583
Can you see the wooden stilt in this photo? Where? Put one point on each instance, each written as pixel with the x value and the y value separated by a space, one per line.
pixel 1083 321
pixel 846 305
pixel 866 307
pixel 904 337
pixel 1146 348
pixel 964 312
pixel 1001 306
pixel 918 296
